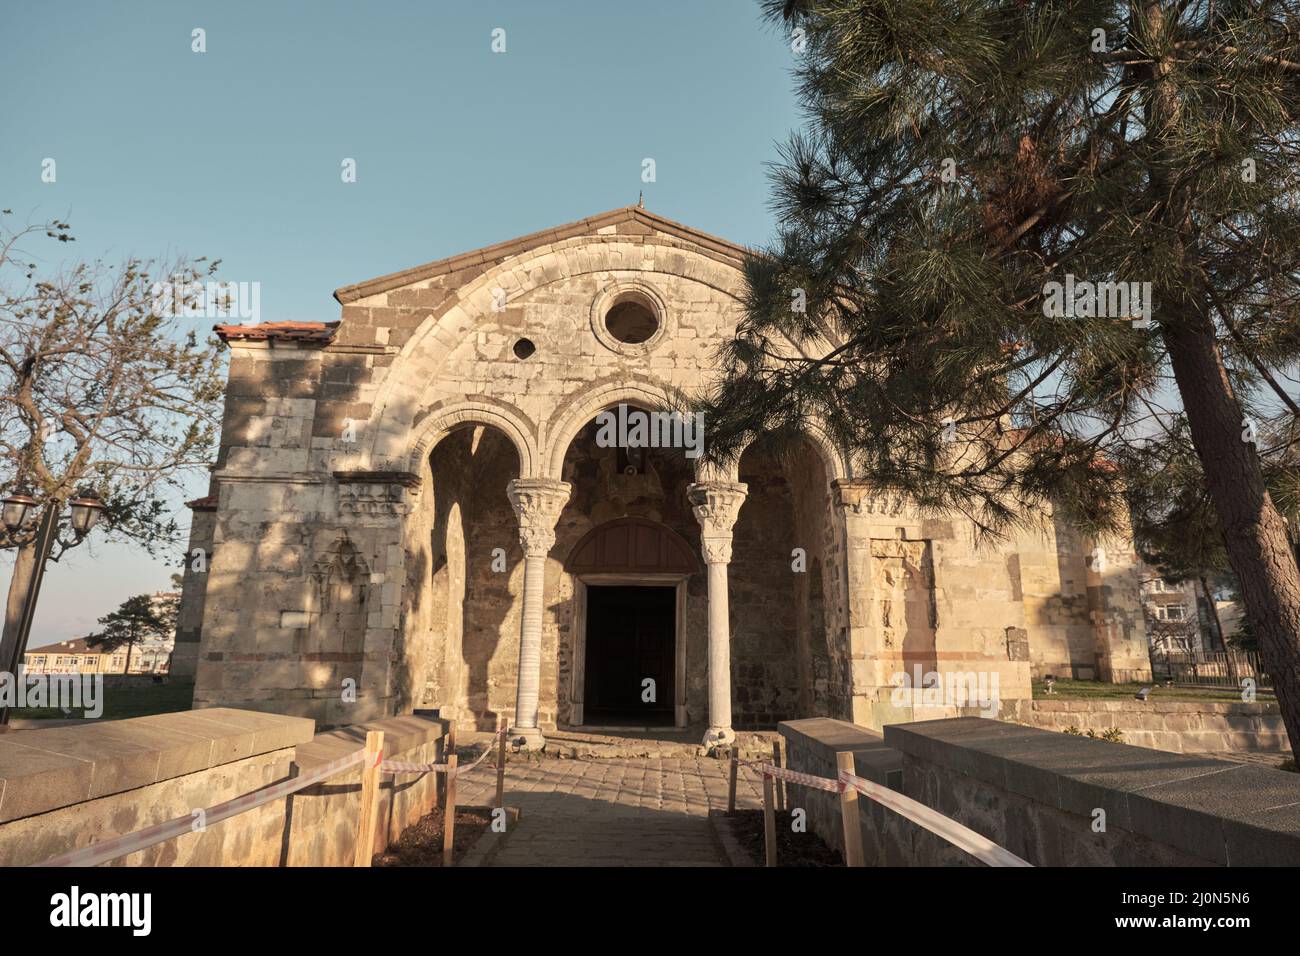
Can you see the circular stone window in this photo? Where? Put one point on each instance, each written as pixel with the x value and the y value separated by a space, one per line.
pixel 524 348
pixel 629 318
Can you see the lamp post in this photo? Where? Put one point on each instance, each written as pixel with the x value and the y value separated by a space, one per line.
pixel 14 511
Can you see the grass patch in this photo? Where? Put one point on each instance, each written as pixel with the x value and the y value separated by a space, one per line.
pixel 122 702
pixel 1096 690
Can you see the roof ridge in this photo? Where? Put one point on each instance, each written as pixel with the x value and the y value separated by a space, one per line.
pixel 499 250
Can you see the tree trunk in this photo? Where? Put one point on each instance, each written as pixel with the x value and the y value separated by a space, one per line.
pixel 24 561
pixel 1213 610
pixel 1254 533
pixel 1253 530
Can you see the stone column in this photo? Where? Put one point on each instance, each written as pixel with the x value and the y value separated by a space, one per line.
pixel 537 503
pixel 717 504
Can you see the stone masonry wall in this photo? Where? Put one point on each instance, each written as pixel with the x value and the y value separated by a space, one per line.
pixel 69 787
pixel 1173 726
pixel 1041 796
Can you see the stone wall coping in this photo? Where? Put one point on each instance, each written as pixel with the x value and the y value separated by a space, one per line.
pixel 1223 812
pixel 1156 706
pixel 400 735
pixel 873 759
pixel 45 769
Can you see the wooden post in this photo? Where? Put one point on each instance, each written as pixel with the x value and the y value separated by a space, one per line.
pixel 731 782
pixel 779 784
pixel 448 748
pixel 501 768
pixel 849 815
pixel 368 819
pixel 769 821
pixel 449 813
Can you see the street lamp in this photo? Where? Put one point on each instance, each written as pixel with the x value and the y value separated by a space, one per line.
pixel 14 508
pixel 86 508
pixel 14 512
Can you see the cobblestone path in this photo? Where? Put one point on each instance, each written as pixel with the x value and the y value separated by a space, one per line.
pixel 630 812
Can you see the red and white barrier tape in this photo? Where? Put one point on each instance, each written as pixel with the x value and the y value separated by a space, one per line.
pixel 806 779
pixel 483 756
pixel 98 853
pixel 962 837
pixel 401 766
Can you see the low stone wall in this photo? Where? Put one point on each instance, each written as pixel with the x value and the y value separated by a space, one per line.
pixel 1173 726
pixel 323 818
pixel 812 747
pixel 69 787
pixel 1038 794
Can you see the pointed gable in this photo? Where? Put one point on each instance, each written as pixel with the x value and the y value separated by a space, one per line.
pixel 628 220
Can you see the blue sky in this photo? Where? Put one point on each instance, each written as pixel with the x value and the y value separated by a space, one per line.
pixel 236 153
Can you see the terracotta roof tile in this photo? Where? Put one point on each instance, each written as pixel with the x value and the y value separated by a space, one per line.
pixel 77 645
pixel 319 332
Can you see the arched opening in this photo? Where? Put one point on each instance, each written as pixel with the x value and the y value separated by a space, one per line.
pixel 632 586
pixel 785 660
pixel 464 573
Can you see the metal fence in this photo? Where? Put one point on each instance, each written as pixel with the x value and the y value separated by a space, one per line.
pixel 1225 669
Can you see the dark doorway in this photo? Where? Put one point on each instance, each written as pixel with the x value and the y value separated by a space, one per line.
pixel 630 637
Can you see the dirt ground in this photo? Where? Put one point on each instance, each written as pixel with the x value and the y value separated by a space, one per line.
pixel 792 849
pixel 421 843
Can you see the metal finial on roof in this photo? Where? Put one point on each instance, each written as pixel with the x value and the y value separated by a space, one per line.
pixel 640 199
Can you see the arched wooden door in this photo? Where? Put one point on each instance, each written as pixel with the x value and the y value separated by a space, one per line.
pixel 630 651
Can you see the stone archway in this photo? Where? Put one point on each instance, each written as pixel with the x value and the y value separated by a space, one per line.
pixel 463 575
pixel 785 549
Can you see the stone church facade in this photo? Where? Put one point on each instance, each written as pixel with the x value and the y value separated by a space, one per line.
pixel 412 507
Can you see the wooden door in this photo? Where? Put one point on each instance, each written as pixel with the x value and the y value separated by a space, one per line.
pixel 631 634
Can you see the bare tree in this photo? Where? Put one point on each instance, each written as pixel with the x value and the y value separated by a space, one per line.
pixel 100 389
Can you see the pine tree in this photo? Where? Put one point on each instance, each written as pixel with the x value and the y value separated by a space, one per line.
pixel 136 619
pixel 973 171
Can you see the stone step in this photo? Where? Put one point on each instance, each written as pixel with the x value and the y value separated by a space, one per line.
pixel 634 745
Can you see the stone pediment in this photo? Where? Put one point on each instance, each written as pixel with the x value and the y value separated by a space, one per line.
pixel 628 220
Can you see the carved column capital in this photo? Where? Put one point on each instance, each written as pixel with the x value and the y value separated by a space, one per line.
pixel 716 505
pixel 537 503
pixel 864 498
pixel 848 493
